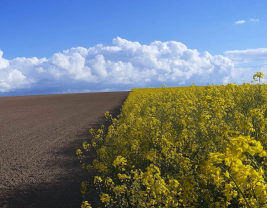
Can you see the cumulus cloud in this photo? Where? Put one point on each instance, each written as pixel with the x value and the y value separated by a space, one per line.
pixel 254 20
pixel 123 66
pixel 12 78
pixel 240 22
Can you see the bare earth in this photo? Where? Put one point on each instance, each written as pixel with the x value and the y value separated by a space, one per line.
pixel 38 139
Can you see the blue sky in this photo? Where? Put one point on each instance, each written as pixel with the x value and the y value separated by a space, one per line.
pixel 54 47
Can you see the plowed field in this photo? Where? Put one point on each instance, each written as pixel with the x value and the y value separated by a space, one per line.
pixel 38 139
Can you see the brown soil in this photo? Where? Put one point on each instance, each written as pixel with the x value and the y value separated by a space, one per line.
pixel 38 139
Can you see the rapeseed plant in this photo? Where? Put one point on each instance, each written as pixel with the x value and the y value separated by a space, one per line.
pixel 183 147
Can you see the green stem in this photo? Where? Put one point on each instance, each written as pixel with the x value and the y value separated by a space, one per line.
pixel 239 190
pixel 156 190
pixel 255 196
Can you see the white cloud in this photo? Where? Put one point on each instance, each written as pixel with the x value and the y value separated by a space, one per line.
pixel 70 91
pixel 123 66
pixel 248 55
pixel 10 77
pixel 3 62
pixel 240 22
pixel 254 20
pixel 4 87
pixel 247 63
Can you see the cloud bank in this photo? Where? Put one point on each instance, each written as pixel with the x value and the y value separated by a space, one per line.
pixel 247 63
pixel 123 66
pixel 248 55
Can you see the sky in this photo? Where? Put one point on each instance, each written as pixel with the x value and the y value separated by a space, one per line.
pixel 58 47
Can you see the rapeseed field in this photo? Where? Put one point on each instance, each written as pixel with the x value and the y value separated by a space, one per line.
pixel 183 147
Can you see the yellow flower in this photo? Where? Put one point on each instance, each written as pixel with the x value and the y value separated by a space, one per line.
pixel 78 152
pixel 226 174
pixel 85 204
pixel 84 187
pixel 97 179
pixel 119 161
pixel 105 198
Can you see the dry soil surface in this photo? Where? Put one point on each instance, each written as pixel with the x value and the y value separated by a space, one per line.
pixel 38 139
